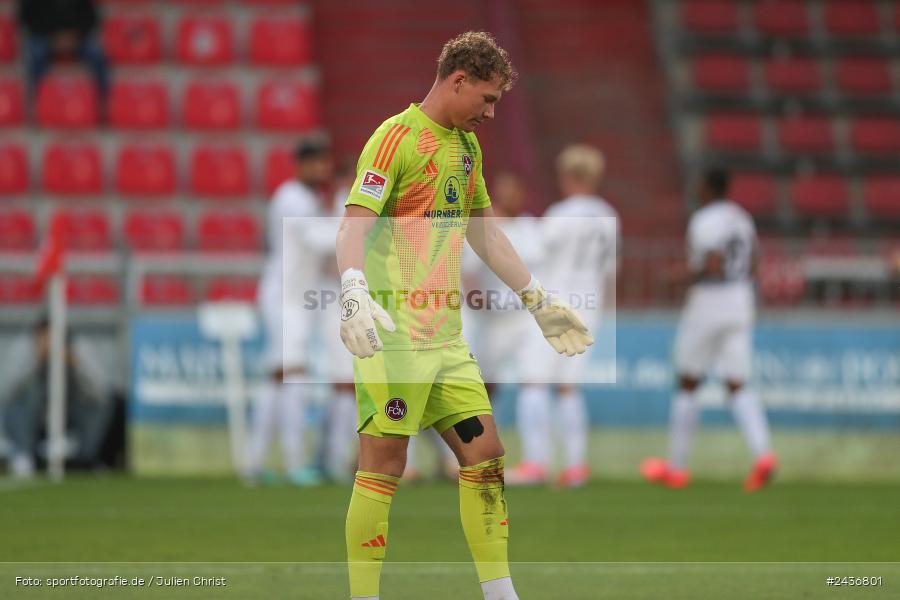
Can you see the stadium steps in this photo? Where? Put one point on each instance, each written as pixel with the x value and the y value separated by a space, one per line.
pixel 790 90
pixel 620 104
pixel 360 88
pixel 372 67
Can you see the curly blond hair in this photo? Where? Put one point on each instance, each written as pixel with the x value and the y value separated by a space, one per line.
pixel 479 56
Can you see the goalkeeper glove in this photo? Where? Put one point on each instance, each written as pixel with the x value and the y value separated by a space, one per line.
pixel 358 315
pixel 558 321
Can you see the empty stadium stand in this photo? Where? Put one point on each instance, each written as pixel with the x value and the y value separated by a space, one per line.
pixel 206 101
pixel 800 98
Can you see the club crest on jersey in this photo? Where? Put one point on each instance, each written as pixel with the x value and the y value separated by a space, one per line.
pixel 373 184
pixel 451 190
pixel 467 164
pixel 395 409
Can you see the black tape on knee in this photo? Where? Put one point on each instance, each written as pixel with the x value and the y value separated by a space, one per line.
pixel 469 429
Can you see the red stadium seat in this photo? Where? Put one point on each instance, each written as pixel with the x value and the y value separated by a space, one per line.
pixel 67 102
pixel 154 231
pixel 755 192
pixel 278 41
pixel 145 170
pixel 139 105
pixel 204 41
pixel 721 73
pixel 793 75
pixel 806 134
pixel 271 2
pixel 821 196
pixel 734 132
pixel 231 288
pixel 9 42
pixel 852 18
pixel 286 105
pixel 92 290
pixel 710 16
pixel 863 76
pixel 166 290
pixel 874 135
pixel 11 103
pixel 132 39
pixel 86 230
pixel 279 168
pixel 228 232
pixel 72 169
pixel 16 231
pixel 13 170
pixel 219 171
pixel 881 194
pixel 781 18
pixel 18 289
pixel 211 105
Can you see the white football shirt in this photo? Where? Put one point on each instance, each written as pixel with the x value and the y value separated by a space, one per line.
pixel 295 226
pixel 581 242
pixel 726 228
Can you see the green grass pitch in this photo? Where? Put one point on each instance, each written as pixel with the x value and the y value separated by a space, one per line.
pixel 612 540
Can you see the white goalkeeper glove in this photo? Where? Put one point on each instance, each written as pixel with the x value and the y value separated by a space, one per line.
pixel 558 321
pixel 358 315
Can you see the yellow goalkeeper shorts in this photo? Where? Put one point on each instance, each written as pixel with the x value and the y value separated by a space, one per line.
pixel 399 391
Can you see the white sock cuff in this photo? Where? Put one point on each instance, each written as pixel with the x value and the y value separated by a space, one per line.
pixel 499 589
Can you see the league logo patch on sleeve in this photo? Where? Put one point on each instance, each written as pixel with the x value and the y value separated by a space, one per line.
pixel 373 185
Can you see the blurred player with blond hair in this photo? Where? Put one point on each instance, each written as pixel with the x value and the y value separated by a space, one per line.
pixel 580 236
pixel 716 330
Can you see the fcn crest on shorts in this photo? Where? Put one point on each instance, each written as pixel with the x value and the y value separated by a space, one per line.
pixel 395 409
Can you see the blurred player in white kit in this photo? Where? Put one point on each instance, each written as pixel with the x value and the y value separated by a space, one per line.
pixel 288 323
pixel 497 322
pixel 580 238
pixel 716 330
pixel 339 434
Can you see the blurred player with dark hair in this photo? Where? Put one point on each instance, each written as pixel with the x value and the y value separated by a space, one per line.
pixel 716 331
pixel 287 323
pixel 338 446
pixel 418 196
pixel 580 236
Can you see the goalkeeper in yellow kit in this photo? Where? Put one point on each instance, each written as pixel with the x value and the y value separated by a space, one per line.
pixel 419 194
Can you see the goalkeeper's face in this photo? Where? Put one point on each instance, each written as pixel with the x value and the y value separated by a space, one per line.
pixel 473 100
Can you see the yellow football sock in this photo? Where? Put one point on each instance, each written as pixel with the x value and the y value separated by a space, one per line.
pixel 485 522
pixel 367 530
